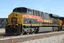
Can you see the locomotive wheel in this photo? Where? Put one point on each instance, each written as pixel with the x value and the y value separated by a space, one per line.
pixel 36 30
pixel 30 31
pixel 60 28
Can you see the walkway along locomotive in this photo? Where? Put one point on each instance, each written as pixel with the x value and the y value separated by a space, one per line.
pixel 24 20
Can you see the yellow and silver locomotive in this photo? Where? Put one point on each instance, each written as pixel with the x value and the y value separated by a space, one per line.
pixel 24 20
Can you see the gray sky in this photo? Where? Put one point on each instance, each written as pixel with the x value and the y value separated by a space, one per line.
pixel 50 6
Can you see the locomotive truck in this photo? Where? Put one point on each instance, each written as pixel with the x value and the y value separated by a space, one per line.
pixel 24 20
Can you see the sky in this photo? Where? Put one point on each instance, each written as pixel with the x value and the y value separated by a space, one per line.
pixel 49 6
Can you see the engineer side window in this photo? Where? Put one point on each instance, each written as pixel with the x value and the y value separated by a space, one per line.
pixel 29 11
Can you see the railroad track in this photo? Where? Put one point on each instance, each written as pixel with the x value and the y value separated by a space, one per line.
pixel 44 33
pixel 22 38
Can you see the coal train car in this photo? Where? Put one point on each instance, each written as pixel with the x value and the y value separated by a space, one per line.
pixel 25 20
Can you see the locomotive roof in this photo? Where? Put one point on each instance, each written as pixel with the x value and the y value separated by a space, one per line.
pixel 27 9
pixel 20 7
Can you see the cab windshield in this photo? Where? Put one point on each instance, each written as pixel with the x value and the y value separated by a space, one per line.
pixel 20 10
